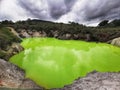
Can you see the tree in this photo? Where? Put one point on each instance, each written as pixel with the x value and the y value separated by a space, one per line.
pixel 6 22
pixel 103 23
pixel 115 23
pixel 1 25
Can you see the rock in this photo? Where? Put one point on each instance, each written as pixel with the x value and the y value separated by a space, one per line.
pixel 10 51
pixel 14 49
pixel 55 33
pixel 36 34
pixel 96 81
pixel 75 36
pixel 13 77
pixel 66 36
pixel 31 33
pixel 17 47
pixel 88 37
pixel 24 34
pixel 43 34
pixel 116 41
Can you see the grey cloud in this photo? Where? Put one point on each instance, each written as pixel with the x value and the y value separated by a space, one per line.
pixel 105 9
pixel 59 8
pixel 33 10
pixel 94 11
pixel 56 8
pixel 82 11
pixel 69 4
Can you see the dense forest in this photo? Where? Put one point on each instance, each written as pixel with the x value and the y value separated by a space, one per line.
pixel 105 31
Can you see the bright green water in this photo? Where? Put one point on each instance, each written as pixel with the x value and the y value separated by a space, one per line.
pixel 53 63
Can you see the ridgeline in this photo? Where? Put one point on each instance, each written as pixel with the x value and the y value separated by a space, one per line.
pixel 12 32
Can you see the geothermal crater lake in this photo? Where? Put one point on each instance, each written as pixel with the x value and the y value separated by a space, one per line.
pixel 53 63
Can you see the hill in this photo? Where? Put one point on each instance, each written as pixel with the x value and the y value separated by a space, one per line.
pixel 7 38
pixel 104 32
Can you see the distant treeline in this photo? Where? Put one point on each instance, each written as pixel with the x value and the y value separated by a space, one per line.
pixel 107 23
pixel 104 32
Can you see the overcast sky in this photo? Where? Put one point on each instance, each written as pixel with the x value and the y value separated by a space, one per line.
pixel 88 12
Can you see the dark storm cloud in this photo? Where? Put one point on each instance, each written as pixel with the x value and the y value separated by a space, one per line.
pixel 104 9
pixel 55 8
pixel 93 11
pixel 60 7
pixel 81 11
pixel 69 3
pixel 36 11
